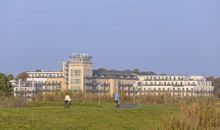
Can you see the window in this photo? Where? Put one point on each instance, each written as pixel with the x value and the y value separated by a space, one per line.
pixel 72 81
pixel 77 72
pixel 71 72
pixel 77 81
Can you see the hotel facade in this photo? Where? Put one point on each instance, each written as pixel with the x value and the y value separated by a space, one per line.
pixel 78 75
pixel 174 85
pixel 76 70
pixel 38 82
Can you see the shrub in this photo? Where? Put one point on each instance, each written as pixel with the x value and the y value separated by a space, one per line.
pixel 195 114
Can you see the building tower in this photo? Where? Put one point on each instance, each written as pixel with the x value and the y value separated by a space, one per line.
pixel 76 70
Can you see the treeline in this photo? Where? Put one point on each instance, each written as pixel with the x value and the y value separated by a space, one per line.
pixel 6 88
pixel 5 85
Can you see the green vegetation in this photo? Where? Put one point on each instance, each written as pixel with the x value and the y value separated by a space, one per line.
pixel 5 85
pixel 47 112
pixel 164 112
pixel 53 116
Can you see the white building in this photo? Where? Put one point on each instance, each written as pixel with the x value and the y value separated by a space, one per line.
pixel 175 85
pixel 49 80
pixel 23 88
pixel 37 82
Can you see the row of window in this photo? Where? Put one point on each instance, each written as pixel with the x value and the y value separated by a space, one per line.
pixel 118 76
pixel 75 81
pixel 177 94
pixel 75 72
pixel 87 72
pixel 167 83
pixel 165 78
pixel 173 89
pixel 49 82
pixel 45 75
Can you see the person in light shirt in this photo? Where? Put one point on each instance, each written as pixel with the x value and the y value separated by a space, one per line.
pixel 117 100
pixel 67 101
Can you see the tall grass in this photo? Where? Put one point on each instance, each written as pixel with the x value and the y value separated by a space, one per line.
pixel 90 97
pixel 198 113
pixel 76 97
pixel 12 102
pixel 159 99
pixel 195 113
pixel 79 97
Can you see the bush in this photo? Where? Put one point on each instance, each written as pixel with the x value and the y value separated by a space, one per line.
pixel 195 114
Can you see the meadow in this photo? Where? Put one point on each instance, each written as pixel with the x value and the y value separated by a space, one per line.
pixel 46 112
pixel 84 116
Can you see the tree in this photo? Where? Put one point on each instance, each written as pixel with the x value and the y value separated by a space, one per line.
pixel 11 77
pixel 5 85
pixel 101 69
pixel 39 70
pixel 136 71
pixel 23 76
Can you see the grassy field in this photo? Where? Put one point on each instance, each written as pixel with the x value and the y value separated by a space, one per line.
pixel 83 116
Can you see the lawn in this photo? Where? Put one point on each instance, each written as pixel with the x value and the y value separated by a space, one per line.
pixel 83 116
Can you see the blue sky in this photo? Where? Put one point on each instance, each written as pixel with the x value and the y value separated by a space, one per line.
pixel 175 37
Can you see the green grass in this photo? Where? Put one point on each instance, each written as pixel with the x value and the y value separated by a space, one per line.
pixel 83 116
